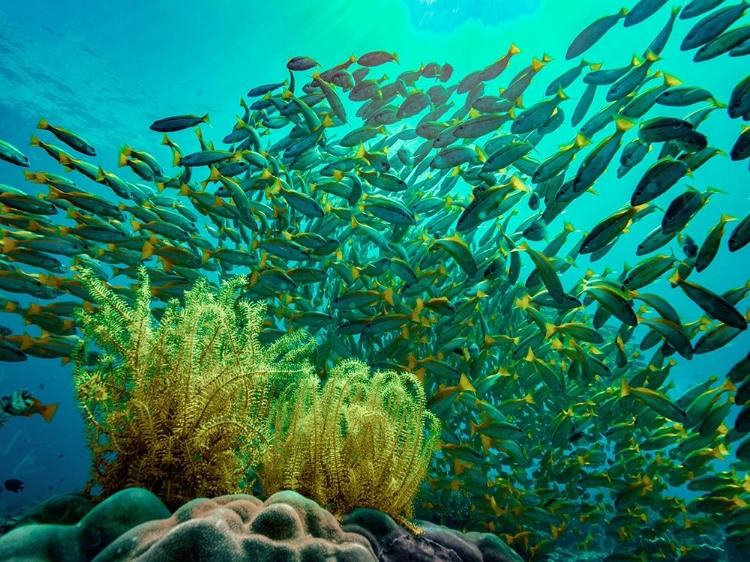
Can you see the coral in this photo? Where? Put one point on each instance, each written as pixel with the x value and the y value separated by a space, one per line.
pixel 135 525
pixel 89 536
pixel 65 509
pixel 361 440
pixel 392 543
pixel 238 528
pixel 180 407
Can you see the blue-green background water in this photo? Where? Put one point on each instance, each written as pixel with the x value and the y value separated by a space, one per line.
pixel 107 70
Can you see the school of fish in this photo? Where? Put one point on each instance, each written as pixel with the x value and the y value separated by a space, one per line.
pixel 409 222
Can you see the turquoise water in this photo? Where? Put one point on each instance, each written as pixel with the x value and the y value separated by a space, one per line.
pixel 108 71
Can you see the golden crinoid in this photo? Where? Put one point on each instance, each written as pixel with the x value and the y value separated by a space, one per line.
pixel 180 407
pixel 360 440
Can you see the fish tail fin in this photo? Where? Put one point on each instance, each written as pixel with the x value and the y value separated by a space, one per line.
pixel 671 81
pixel 43 124
pixel 513 49
pixel 625 388
pixel 395 57
pixel 48 411
pixel 361 153
pixel 100 174
pixel 728 386
pixel 465 384
pixel 582 140
pixel 388 296
pixel 480 154
pixel 215 175
pixel 34 141
pixel 624 124
pixel 148 250
pixel 415 315
pixel 123 160
pixel 206 119
pixel 9 244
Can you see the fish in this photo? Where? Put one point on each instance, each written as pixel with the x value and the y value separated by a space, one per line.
pixel 661 129
pixel 672 332
pixel 683 208
pixel 647 271
pixel 546 271
pixel 11 154
pixel 301 63
pixel 376 58
pixel 741 148
pixel 740 235
pixel 658 179
pixel 710 246
pixel 695 8
pixel 661 40
pixel 634 77
pixel 178 123
pixel 713 25
pixel 596 161
pixel 593 33
pixel 739 99
pixel 609 229
pixel 14 485
pixel 47 411
pixel 68 137
pixel 656 400
pixel 642 10
pixel 689 246
pixel 724 43
pixel 684 95
pixel 713 304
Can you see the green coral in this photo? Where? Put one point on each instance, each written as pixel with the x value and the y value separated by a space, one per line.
pixel 360 440
pixel 188 406
pixel 180 407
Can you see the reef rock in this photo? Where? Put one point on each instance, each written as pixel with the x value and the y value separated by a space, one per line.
pixel 134 525
pixel 67 509
pixel 393 543
pixel 84 540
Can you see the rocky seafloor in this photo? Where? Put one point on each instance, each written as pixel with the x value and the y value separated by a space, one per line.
pixel 135 525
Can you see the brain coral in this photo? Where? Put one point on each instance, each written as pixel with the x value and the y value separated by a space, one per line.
pixel 240 527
